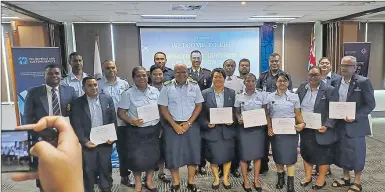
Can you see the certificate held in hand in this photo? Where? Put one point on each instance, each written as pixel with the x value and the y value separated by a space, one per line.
pixel 283 126
pixel 312 120
pixel 252 118
pixel 341 110
pixel 102 134
pixel 221 115
pixel 148 113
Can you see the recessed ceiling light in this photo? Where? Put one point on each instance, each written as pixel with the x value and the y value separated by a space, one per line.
pixel 10 17
pixel 243 3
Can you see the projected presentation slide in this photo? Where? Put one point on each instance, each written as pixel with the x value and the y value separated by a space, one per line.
pixel 215 44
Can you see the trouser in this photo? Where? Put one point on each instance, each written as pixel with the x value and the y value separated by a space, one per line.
pixel 98 158
pixel 122 151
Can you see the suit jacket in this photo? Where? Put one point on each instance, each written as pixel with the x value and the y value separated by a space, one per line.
pixel 81 116
pixel 333 76
pixel 36 102
pixel 268 81
pixel 360 91
pixel 321 106
pixel 219 131
pixel 204 80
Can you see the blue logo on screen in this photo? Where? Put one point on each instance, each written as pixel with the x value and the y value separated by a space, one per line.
pixel 23 60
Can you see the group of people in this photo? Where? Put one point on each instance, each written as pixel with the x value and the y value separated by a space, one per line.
pixel 12 153
pixel 183 135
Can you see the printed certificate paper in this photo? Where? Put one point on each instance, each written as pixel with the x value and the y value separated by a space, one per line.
pixel 252 118
pixel 283 125
pixel 102 134
pixel 221 115
pixel 148 113
pixel 312 120
pixel 341 110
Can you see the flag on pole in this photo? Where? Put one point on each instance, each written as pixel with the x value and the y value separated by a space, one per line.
pixel 312 59
pixel 97 63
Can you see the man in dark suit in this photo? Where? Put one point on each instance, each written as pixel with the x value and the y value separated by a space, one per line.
pixel 351 146
pixel 49 99
pixel 89 111
pixel 203 77
pixel 326 70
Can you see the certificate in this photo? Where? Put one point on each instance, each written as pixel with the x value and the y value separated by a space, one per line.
pixel 102 134
pixel 221 115
pixel 148 113
pixel 312 120
pixel 283 126
pixel 341 110
pixel 252 118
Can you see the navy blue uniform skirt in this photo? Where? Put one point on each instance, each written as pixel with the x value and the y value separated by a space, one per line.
pixel 314 153
pixel 220 151
pixel 284 148
pixel 181 150
pixel 143 148
pixel 350 151
pixel 251 142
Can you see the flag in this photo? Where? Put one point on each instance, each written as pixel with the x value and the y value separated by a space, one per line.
pixel 97 63
pixel 312 59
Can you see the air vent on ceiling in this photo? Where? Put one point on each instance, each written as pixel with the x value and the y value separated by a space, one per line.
pixel 185 7
pixel 168 16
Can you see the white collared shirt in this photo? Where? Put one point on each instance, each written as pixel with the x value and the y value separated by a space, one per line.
pixel 74 82
pixel 49 97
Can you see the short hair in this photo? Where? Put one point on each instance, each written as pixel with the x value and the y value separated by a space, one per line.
pixel 51 66
pixel 319 61
pixel 73 54
pixel 274 55
pixel 229 60
pixel 250 75
pixel 244 60
pixel 159 52
pixel 283 74
pixel 315 67
pixel 85 79
pixel 153 68
pixel 136 69
pixel 218 70
pixel 108 60
pixel 353 59
pixel 195 51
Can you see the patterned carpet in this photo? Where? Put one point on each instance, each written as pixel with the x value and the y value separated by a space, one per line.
pixel 373 179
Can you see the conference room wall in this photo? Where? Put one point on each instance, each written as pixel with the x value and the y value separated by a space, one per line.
pixel 296 49
pixel 376 35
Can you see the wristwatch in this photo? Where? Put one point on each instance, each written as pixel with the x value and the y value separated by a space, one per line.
pixel 189 124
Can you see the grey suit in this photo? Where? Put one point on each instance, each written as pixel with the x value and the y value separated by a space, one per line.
pixel 219 141
pixel 36 107
pixel 316 147
pixel 98 157
pixel 351 147
pixel 328 80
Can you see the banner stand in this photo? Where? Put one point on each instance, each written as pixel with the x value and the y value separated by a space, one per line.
pixel 361 51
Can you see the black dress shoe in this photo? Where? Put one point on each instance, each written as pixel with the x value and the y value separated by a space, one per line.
pixel 215 187
pixel 236 173
pixel 246 189
pixel 305 183
pixel 174 188
pixel 152 190
pixel 259 189
pixel 202 170
pixel 227 186
pixel 193 188
pixel 316 187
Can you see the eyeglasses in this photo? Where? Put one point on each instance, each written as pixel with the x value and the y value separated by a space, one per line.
pixel 282 81
pixel 346 65
pixel 313 74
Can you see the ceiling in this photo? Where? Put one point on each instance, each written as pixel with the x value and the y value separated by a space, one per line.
pixel 213 11
pixel 6 13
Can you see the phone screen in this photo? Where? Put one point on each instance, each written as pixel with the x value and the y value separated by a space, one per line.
pixel 15 147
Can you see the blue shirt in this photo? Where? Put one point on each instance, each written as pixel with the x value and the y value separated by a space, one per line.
pixel 72 81
pixel 219 98
pixel 343 90
pixel 251 102
pixel 283 106
pixel 95 111
pixel 309 99
pixel 180 99
pixel 133 98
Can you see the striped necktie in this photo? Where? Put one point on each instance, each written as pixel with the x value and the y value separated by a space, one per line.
pixel 55 103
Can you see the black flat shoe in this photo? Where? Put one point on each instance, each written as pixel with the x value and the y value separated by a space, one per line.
pixel 305 183
pixel 193 188
pixel 164 178
pixel 174 188
pixel 152 190
pixel 246 189
pixel 281 180
pixel 259 189
pixel 227 186
pixel 215 187
pixel 316 187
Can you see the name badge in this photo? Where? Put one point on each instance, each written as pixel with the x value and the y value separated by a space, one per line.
pixel 323 97
pixel 357 89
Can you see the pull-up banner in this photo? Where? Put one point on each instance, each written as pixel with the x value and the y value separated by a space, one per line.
pixel 361 51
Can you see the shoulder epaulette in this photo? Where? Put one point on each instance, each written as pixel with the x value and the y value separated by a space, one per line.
pixel 240 92
pixel 259 89
pixel 167 82
pixel 204 69
pixel 191 80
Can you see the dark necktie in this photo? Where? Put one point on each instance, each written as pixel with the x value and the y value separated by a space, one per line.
pixel 55 103
pixel 195 75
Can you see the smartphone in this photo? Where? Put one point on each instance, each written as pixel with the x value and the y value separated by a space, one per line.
pixel 15 147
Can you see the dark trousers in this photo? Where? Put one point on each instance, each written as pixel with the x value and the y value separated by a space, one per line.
pixel 203 158
pixel 122 150
pixel 265 159
pixel 98 158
